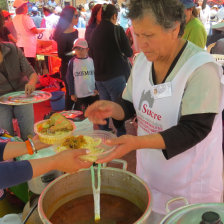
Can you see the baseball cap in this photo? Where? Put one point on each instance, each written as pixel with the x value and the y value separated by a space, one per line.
pixel 80 42
pixel 34 9
pixel 188 3
pixel 19 3
pixel 6 13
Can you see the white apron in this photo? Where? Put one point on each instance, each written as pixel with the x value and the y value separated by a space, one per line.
pixel 196 173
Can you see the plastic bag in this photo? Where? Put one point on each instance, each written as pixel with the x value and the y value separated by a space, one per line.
pixel 47 81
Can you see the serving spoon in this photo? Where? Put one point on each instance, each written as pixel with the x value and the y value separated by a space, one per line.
pixel 96 192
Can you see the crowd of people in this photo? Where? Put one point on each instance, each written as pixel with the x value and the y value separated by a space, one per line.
pixel 175 90
pixel 77 72
pixel 36 9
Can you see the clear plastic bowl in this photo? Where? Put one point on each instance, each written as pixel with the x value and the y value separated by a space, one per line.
pixel 53 139
pixel 103 135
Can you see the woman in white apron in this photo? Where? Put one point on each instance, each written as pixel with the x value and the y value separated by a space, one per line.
pixel 176 92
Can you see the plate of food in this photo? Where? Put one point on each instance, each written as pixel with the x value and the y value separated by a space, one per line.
pixel 94 141
pixel 71 114
pixel 55 129
pixel 20 98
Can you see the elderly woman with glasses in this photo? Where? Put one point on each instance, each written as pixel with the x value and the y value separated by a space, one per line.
pixel 65 34
pixel 176 90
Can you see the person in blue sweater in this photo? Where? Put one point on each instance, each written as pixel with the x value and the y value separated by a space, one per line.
pixel 16 172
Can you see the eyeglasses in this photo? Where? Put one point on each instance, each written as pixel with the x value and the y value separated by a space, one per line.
pixel 76 16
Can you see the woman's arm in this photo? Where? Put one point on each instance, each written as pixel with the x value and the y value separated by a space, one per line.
pixel 15 149
pixel 31 85
pixel 27 70
pixel 128 143
pixel 16 172
pixel 98 111
pixel 70 78
pixel 29 24
pixel 67 161
pixel 34 30
pixel 190 130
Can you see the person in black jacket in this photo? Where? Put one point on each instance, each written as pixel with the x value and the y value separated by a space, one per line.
pixel 108 62
pixel 94 21
pixel 65 34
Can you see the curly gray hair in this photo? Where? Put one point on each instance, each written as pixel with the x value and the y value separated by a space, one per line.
pixel 165 12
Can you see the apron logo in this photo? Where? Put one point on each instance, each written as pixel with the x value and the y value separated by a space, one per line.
pixel 146 96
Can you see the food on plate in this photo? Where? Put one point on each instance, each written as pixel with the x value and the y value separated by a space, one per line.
pixel 56 123
pixel 55 129
pixel 85 142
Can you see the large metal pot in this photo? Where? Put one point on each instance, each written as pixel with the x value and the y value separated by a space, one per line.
pixel 114 181
pixel 194 213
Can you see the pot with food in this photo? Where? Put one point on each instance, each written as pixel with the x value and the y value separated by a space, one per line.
pixel 124 198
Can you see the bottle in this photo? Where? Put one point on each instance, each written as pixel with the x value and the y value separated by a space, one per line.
pixel 211 218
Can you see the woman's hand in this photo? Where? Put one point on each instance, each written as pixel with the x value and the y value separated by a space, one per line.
pixel 69 161
pixel 29 88
pixel 74 98
pixel 38 144
pixel 125 144
pixel 99 111
pixel 31 85
pixel 96 92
